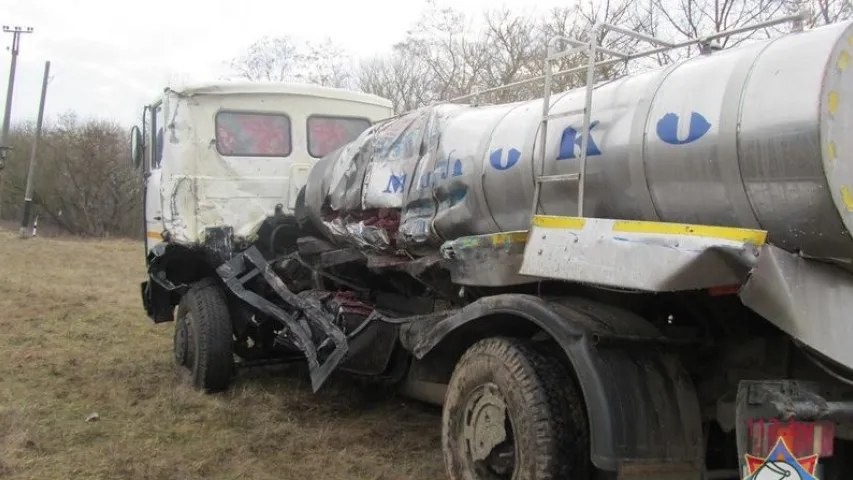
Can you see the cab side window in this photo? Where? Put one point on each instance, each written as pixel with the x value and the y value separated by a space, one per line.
pixel 326 133
pixel 248 134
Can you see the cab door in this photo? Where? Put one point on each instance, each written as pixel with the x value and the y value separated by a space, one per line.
pixel 153 206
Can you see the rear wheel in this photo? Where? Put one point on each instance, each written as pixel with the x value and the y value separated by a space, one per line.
pixel 513 412
pixel 203 343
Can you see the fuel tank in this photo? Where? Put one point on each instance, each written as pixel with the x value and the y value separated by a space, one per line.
pixel 758 136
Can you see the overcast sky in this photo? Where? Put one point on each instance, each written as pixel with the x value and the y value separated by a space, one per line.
pixel 110 57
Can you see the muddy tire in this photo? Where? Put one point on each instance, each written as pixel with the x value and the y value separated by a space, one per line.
pixel 513 411
pixel 203 342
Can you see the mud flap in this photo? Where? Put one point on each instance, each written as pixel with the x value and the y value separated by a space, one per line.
pixel 249 264
pixel 788 421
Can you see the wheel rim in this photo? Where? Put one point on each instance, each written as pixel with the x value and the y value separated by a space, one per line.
pixel 487 433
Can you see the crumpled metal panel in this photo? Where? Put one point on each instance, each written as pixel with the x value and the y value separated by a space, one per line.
pixel 645 256
pixel 487 260
pixel 386 190
pixel 202 189
pixel 807 299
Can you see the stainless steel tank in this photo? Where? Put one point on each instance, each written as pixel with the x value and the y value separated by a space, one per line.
pixel 759 136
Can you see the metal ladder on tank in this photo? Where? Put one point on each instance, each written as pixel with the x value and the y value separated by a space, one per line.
pixel 576 46
pixel 591 49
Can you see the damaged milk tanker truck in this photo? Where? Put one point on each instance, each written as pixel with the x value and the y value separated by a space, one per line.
pixel 647 277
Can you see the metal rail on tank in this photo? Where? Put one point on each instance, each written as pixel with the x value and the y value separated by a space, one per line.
pixel 745 137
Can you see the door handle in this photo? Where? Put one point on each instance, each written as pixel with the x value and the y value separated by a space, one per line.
pixel 158 218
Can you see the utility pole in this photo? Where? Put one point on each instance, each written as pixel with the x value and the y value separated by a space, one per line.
pixel 28 195
pixel 7 114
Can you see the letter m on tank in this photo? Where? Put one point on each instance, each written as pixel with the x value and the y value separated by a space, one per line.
pixel 395 183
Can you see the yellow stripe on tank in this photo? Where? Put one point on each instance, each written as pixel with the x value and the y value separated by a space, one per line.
pixel 508 238
pixel 755 237
pixel 572 223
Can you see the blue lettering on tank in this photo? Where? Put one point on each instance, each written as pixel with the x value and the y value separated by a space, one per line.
pixel 457 168
pixel 667 128
pixel 395 183
pixel 571 140
pixel 496 159
pixel 442 165
pixel 440 172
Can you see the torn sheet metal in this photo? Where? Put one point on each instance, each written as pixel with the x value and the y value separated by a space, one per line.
pixel 644 256
pixel 487 260
pixel 412 182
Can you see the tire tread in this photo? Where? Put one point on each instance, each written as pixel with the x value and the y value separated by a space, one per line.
pixel 552 402
pixel 215 368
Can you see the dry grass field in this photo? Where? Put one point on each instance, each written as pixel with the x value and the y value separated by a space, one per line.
pixel 74 341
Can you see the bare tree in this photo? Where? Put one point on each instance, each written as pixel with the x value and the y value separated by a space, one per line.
pixel 576 22
pixel 269 59
pixel 510 53
pixel 691 19
pixel 823 12
pixel 283 59
pixel 455 53
pixel 446 54
pixel 84 185
pixel 402 76
pixel 327 64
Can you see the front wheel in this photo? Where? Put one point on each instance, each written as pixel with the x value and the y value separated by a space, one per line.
pixel 512 412
pixel 203 343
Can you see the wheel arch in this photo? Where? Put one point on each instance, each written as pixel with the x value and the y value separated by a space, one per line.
pixel 629 389
pixel 172 269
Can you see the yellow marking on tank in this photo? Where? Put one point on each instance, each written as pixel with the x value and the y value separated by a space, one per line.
pixel 501 239
pixel 572 223
pixel 847 198
pixel 833 102
pixel 509 238
pixel 154 235
pixel 843 60
pixel 831 151
pixel 755 237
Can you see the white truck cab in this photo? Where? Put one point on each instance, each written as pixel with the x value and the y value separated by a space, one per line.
pixel 229 154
